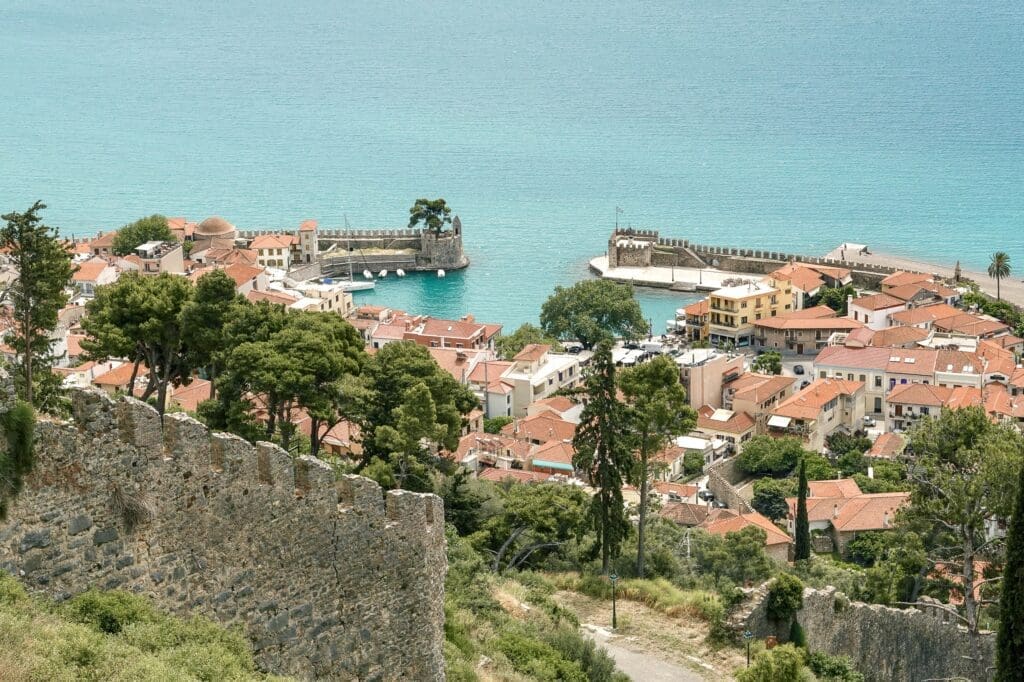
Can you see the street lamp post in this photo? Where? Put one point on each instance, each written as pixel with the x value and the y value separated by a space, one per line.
pixel 614 578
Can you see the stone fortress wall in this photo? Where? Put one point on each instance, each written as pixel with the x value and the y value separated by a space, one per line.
pixel 386 249
pixel 645 248
pixel 331 579
pixel 885 644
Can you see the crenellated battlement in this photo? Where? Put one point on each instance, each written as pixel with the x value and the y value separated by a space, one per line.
pixel 330 577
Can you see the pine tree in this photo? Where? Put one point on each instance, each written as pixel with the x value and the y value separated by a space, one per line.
pixel 1010 643
pixel 44 270
pixel 803 531
pixel 602 450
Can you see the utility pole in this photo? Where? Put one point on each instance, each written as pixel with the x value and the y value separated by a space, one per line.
pixel 614 578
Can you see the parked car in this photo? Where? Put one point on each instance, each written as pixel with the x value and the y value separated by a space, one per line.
pixel 798 370
pixel 706 495
pixel 720 505
pixel 869 420
pixel 805 383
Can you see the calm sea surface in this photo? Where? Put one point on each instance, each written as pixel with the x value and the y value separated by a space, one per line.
pixel 792 125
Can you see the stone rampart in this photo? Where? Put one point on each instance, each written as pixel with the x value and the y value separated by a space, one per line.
pixel 330 578
pixel 898 645
pixel 669 252
pixel 722 477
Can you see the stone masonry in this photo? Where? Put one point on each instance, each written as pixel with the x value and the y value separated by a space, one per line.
pixel 329 579
pixel 884 643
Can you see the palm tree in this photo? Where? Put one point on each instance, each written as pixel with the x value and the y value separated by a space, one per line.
pixel 999 268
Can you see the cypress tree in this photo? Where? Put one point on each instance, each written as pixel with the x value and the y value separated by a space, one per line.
pixel 803 531
pixel 1010 642
pixel 603 451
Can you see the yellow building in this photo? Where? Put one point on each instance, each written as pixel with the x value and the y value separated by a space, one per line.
pixel 734 310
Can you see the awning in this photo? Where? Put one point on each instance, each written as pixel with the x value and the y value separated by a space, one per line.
pixel 779 422
pixel 552 465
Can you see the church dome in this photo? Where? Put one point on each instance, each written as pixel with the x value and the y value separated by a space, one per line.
pixel 214 227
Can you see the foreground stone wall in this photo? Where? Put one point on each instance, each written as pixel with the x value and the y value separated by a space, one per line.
pixel 901 645
pixel 329 579
pixel 722 477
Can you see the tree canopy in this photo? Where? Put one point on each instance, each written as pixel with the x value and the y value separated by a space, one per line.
pixel 593 310
pixel 999 268
pixel 771 456
pixel 433 213
pixel 150 229
pixel 508 346
pixel 769 362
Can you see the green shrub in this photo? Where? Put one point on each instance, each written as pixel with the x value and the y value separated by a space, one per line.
pixel 797 636
pixel 785 597
pixel 827 667
pixel 16 462
pixel 538 660
pixel 781 664
pixel 109 612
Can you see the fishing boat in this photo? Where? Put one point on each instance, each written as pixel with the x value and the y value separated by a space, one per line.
pixel 400 272
pixel 367 274
pixel 440 273
pixel 382 273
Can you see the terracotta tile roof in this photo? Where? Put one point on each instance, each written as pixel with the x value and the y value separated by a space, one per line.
pixel 394 332
pixel 886 446
pixel 492 444
pixel 681 489
pixel 532 352
pixel 914 361
pixel 684 513
pixel 722 521
pixel 893 337
pixel 90 270
pixel 558 403
pixel 516 475
pixel 998 360
pixel 972 325
pixel 450 329
pixel 489 371
pixel 189 396
pixel 930 395
pixel 859 338
pixel 698 309
pixel 120 375
pixel 307 226
pixel 500 386
pixel 555 451
pixel 542 427
pixel 1007 340
pixel 734 422
pixel 814 312
pixel 271 297
pixel 901 278
pixel 908 292
pixel 759 387
pixel 791 322
pixel 104 241
pixel 853 358
pixel 999 402
pixel 454 361
pixel 242 273
pixel 272 241
pixel 807 404
pixel 878 302
pixel 800 276
pixel 74 343
pixel 870 512
pixel 840 487
pixel 226 256
pixel 923 314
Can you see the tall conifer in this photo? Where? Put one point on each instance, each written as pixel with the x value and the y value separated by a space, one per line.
pixel 803 530
pixel 38 294
pixel 1010 643
pixel 602 450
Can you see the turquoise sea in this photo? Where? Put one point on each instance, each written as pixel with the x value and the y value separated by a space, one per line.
pixel 793 125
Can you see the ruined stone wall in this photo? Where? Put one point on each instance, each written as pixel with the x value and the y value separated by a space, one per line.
pixel 722 475
pixel 885 644
pixel 330 579
pixel 442 252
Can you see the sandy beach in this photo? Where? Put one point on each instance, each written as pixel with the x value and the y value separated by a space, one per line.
pixel 1012 287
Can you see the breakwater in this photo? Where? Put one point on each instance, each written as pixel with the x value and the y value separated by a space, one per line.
pixel 632 248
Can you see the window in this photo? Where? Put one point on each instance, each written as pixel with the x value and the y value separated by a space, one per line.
pixel 849 377
pixel 863 378
pixel 743 320
pixel 743 304
pixel 878 404
pixel 878 381
pixel 924 410
pixel 823 374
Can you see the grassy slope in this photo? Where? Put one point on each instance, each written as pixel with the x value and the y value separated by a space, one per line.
pixel 112 636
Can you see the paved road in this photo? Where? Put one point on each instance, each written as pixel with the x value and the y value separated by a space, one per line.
pixel 639 666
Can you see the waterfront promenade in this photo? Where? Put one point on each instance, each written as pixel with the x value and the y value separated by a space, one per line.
pixel 677 278
pixel 1012 288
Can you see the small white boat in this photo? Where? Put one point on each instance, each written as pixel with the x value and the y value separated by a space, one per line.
pixel 400 272
pixel 440 273
pixel 367 274
pixel 382 273
pixel 349 285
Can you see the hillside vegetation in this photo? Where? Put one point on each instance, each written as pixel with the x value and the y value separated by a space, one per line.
pixel 113 636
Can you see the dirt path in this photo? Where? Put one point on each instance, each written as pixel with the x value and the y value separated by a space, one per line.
pixel 649 645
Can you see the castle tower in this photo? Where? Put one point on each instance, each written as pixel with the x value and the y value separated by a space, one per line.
pixel 308 241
